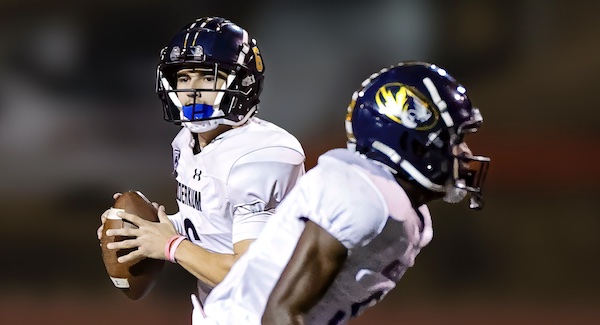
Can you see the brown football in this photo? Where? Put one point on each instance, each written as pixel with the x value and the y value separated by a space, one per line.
pixel 135 278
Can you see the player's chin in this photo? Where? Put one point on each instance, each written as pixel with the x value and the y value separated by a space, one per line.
pixel 454 194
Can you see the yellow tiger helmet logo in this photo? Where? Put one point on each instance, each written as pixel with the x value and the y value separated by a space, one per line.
pixel 406 106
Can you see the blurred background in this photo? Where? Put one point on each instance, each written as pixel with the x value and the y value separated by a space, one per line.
pixel 79 120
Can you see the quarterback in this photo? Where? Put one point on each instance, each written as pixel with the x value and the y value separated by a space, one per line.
pixel 232 169
pixel 355 223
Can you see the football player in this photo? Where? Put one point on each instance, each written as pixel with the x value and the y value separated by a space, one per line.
pixel 232 168
pixel 354 224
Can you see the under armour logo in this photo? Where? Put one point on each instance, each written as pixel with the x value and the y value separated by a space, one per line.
pixel 197 174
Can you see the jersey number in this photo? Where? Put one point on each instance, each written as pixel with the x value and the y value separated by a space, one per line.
pixel 190 230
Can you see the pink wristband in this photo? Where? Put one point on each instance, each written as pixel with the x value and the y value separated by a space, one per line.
pixel 174 246
pixel 168 246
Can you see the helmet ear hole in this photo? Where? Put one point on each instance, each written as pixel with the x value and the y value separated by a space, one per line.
pixel 418 149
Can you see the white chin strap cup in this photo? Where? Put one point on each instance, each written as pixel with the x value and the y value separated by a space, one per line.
pixel 202 126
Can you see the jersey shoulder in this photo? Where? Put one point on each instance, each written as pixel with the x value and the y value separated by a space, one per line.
pixel 259 134
pixel 256 147
pixel 342 200
pixel 259 141
pixel 359 196
pixel 379 176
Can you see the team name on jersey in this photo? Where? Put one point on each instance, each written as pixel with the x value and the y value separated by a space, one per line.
pixel 188 196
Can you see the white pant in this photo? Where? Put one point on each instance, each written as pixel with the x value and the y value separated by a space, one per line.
pixel 221 314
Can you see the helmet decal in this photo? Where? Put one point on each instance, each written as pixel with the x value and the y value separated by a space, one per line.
pixel 406 106
pixel 197 51
pixel 257 59
pixel 175 53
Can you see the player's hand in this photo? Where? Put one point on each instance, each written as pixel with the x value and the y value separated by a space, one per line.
pixel 103 218
pixel 148 240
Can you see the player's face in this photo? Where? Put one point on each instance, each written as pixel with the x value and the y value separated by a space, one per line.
pixel 198 79
pixel 454 194
pixel 461 166
pixel 462 150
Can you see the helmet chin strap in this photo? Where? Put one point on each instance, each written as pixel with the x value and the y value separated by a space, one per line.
pixel 242 121
pixel 202 126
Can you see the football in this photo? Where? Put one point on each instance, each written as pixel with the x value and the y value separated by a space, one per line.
pixel 135 278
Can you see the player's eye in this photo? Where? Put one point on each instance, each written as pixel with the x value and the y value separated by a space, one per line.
pixel 183 78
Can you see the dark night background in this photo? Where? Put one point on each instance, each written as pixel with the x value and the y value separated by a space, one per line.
pixel 79 120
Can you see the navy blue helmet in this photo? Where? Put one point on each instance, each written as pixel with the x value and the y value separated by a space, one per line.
pixel 220 46
pixel 411 117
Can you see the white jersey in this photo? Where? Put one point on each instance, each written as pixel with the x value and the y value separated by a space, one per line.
pixel 360 204
pixel 227 192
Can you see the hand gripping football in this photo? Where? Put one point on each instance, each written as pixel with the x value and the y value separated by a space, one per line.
pixel 135 278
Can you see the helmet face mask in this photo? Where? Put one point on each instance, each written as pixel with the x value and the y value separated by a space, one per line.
pixel 413 117
pixel 219 47
pixel 469 176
